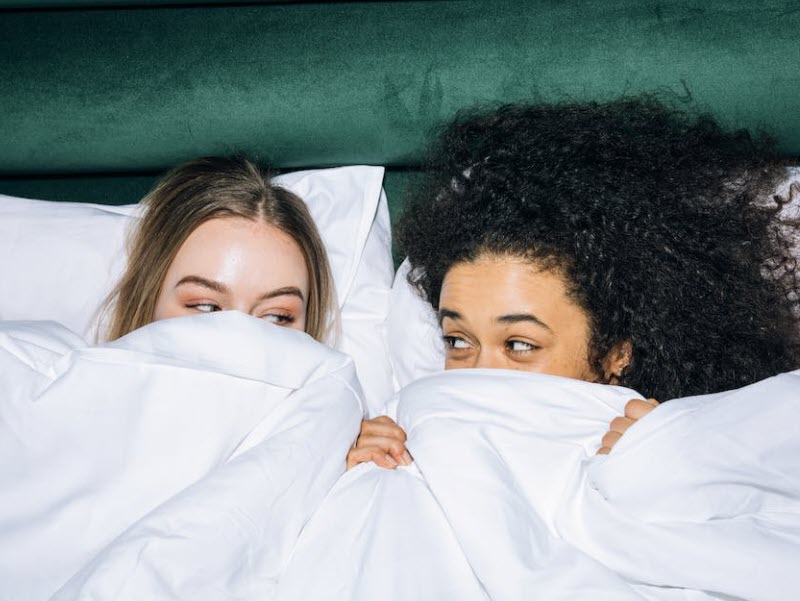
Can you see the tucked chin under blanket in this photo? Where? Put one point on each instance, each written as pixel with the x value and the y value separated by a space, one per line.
pixel 115 458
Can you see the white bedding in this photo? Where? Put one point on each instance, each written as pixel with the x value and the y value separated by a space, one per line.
pixel 187 499
pixel 93 439
pixel 507 500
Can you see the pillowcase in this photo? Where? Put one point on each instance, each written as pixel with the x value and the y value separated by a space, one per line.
pixel 60 260
pixel 415 338
pixel 365 312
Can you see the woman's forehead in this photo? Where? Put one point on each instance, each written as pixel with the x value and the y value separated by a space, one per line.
pixel 493 287
pixel 236 250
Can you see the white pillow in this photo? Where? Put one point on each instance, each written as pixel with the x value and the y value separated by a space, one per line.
pixel 60 260
pixel 415 338
pixel 365 312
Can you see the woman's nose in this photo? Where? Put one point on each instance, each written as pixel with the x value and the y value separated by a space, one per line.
pixel 488 360
pixel 241 305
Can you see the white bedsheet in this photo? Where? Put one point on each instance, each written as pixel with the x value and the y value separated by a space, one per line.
pixel 96 445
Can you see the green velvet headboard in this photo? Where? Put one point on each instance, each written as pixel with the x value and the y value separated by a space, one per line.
pixel 98 97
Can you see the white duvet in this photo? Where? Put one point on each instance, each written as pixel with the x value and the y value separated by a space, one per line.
pixel 98 444
pixel 505 500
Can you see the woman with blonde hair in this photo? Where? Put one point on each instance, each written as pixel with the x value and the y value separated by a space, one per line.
pixel 218 235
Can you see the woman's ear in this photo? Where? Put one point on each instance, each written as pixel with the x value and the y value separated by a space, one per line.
pixel 617 360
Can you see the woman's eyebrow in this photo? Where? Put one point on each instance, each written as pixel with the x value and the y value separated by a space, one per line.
pixel 448 313
pixel 205 283
pixel 287 290
pixel 518 317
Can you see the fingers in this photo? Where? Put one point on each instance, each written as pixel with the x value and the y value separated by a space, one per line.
pixel 614 434
pixel 618 427
pixel 610 439
pixel 367 454
pixel 637 409
pixel 381 441
pixel 621 424
pixel 390 446
pixel 378 455
pixel 383 427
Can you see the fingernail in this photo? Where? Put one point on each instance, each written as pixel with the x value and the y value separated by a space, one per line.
pixel 406 458
pixel 391 460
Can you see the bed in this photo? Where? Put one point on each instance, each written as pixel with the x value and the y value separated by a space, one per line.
pixel 99 98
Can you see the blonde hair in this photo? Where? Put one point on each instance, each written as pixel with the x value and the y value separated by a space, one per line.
pixel 192 194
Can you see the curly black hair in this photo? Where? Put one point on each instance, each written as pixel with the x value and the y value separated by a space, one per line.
pixel 665 225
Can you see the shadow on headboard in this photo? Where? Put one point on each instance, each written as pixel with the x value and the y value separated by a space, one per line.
pixel 97 100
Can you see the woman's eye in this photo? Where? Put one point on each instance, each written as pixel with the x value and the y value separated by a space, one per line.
pixel 281 319
pixel 205 307
pixel 519 346
pixel 456 343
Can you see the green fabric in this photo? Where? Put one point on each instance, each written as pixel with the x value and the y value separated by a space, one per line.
pixel 98 189
pixel 302 85
pixel 26 4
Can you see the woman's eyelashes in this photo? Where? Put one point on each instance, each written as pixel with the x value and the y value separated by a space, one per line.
pixel 279 317
pixel 204 307
pixel 458 345
pixel 519 347
pixel 455 343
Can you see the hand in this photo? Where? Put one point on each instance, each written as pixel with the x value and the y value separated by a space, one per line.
pixel 382 441
pixel 635 410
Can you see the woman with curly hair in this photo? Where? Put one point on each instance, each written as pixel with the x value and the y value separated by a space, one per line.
pixel 623 243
